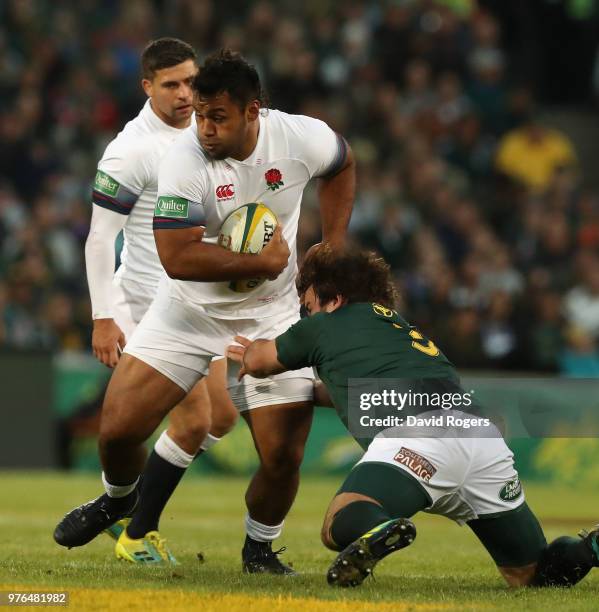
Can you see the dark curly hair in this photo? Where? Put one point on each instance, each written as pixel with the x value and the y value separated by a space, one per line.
pixel 356 275
pixel 228 71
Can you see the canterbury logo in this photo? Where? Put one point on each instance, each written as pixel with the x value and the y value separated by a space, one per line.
pixel 225 192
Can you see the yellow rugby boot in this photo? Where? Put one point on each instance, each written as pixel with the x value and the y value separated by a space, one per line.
pixel 149 550
pixel 115 530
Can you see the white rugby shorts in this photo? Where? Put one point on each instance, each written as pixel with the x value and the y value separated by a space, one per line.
pixel 465 477
pixel 180 342
pixel 131 301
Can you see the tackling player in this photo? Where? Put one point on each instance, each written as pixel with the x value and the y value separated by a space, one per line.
pixel 240 153
pixel 354 333
pixel 124 197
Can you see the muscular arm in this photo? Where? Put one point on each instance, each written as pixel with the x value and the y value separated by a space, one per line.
pixel 336 196
pixel 185 256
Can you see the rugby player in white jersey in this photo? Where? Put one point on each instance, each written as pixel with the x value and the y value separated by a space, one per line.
pixel 124 197
pixel 258 155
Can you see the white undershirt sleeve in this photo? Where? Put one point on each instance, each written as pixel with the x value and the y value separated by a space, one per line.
pixel 100 259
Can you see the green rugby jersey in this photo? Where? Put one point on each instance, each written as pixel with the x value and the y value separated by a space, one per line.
pixel 364 341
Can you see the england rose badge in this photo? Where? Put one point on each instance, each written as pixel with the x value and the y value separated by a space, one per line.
pixel 273 179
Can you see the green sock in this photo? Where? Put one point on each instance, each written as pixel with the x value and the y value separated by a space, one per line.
pixel 354 520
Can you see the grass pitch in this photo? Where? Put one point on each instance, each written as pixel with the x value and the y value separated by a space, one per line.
pixel 445 569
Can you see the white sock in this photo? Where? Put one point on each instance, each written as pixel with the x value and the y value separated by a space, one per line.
pixel 261 533
pixel 170 451
pixel 118 490
pixel 209 442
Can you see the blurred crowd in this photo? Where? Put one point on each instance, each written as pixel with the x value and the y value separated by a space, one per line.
pixel 478 205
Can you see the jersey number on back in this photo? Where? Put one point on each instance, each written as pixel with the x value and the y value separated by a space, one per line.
pixel 430 348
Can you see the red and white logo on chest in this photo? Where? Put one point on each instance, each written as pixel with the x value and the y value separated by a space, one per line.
pixel 225 192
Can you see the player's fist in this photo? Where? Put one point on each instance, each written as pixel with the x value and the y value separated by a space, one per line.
pixel 331 246
pixel 314 249
pixel 236 352
pixel 275 254
pixel 108 341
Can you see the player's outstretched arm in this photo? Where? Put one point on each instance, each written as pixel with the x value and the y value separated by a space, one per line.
pixel 185 256
pixel 336 195
pixel 258 358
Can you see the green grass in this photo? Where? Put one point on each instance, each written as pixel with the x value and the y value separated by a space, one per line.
pixel 446 565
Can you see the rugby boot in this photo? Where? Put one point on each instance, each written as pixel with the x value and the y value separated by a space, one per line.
pixel 81 525
pixel 149 550
pixel 591 538
pixel 260 558
pixel 114 531
pixel 355 563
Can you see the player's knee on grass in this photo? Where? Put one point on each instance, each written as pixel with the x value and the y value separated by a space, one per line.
pixel 519 576
pixel 372 493
pixel 515 541
pixel 337 505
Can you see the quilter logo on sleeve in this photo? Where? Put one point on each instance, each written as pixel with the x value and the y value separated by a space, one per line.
pixel 225 192
pixel 170 206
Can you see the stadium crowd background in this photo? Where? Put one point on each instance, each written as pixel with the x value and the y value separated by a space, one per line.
pixel 481 210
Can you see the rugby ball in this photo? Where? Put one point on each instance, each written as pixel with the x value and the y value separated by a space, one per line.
pixel 246 230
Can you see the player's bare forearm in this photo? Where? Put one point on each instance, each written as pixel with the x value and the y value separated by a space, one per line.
pixel 185 256
pixel 197 261
pixel 336 196
pixel 260 359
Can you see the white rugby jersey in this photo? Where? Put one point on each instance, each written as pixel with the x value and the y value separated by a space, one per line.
pixel 195 190
pixel 127 183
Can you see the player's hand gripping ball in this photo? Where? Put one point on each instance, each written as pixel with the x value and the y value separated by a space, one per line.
pixel 247 230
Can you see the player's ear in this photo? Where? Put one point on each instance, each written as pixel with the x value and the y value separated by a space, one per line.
pixel 147 87
pixel 335 303
pixel 339 301
pixel 253 110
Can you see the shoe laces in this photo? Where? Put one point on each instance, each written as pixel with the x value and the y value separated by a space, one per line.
pixel 96 505
pixel 100 505
pixel 273 554
pixel 265 552
pixel 584 533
